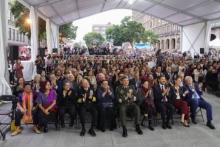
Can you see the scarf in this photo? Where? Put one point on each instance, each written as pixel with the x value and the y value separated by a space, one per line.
pixel 27 104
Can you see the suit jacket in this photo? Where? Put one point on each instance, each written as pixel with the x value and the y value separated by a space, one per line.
pixel 188 97
pixel 158 96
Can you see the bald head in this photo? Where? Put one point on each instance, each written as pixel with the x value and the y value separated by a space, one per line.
pixel 85 83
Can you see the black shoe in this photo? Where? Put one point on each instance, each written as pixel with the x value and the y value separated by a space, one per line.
pixel 92 132
pixel 194 121
pixel 62 125
pixel 150 128
pixel 138 130
pixel 83 131
pixel 210 125
pixel 45 129
pixel 125 133
pixel 71 125
pixel 164 126
pixel 169 126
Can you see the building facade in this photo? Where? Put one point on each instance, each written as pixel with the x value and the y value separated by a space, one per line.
pixel 169 34
pixel 101 28
pixel 15 37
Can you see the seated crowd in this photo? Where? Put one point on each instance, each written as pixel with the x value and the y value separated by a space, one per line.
pixel 111 90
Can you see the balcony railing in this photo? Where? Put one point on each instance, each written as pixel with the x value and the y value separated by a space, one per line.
pixel 14 35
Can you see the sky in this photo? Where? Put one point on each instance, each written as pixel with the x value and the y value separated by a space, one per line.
pixel 112 16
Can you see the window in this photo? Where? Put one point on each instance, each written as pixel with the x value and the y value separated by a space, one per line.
pixel 13 34
pixel 9 34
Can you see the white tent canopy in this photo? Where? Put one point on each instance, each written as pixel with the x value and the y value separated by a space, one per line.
pixel 215 43
pixel 195 16
pixel 181 12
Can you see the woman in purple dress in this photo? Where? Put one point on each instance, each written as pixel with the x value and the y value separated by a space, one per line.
pixel 46 101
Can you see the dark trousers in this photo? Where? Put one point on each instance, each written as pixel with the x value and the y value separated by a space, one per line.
pixel 43 119
pixel 166 110
pixel 195 103
pixel 87 107
pixel 69 110
pixel 106 115
pixel 133 110
pixel 149 110
pixel 19 115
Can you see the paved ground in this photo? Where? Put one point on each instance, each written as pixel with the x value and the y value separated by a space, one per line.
pixel 195 136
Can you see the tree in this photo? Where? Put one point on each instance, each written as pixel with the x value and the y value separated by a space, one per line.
pixel 21 14
pixel 68 31
pixel 93 39
pixel 150 37
pixel 129 31
pixel 115 33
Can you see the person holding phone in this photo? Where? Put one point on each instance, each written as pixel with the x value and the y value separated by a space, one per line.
pixel 86 102
pixel 66 104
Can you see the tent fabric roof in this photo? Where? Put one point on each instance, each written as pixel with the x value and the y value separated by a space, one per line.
pixel 181 12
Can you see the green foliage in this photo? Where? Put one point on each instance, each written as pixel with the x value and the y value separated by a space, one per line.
pixel 150 37
pixel 93 39
pixel 68 31
pixel 21 14
pixel 129 31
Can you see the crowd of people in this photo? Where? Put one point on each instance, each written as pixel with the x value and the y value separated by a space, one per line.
pixel 112 88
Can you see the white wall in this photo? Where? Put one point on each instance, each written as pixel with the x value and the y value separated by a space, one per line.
pixel 194 37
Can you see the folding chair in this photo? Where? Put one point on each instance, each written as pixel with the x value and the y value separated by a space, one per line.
pixel 201 114
pixel 4 123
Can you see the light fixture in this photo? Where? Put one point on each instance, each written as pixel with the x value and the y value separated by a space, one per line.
pixel 28 21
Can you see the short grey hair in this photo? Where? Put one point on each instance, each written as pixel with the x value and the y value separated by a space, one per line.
pixel 187 78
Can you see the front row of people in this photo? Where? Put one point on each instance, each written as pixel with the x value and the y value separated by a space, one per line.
pixel 104 105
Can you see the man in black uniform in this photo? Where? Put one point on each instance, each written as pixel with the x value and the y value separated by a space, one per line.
pixel 126 97
pixel 86 102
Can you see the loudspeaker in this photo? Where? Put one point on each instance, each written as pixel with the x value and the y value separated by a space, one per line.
pixel 213 36
pixel 13 52
pixel 202 50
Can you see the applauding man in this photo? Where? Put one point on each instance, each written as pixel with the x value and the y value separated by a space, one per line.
pixel 162 101
pixel 126 96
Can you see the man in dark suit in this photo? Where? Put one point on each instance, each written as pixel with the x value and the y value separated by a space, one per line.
pixel 162 102
pixel 195 100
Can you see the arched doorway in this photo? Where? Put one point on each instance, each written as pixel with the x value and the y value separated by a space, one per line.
pixel 173 43
pixel 178 43
pixel 167 44
pixel 158 45
pixel 162 44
